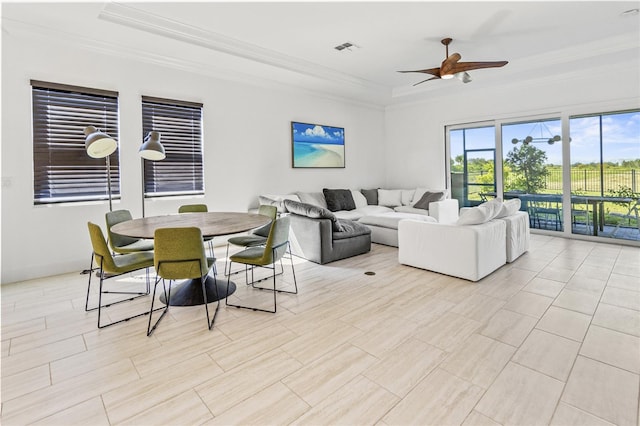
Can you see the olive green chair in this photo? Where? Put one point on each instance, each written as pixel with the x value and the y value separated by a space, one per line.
pixel 109 266
pixel 197 208
pixel 180 255
pixel 257 237
pixel 121 244
pixel 266 256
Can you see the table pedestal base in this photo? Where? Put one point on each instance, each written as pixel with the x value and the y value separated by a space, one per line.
pixel 189 293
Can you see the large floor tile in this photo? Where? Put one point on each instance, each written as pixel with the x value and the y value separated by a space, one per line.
pixel 544 287
pixel 604 391
pixel 406 365
pixel 567 415
pixel 450 400
pixel 447 331
pixel 530 304
pixel 617 318
pixel 621 297
pixel 274 405
pixel 612 347
pixel 508 327
pixel 547 353
pixel 579 301
pixel 564 322
pixel 521 396
pixel 478 360
pixel 357 402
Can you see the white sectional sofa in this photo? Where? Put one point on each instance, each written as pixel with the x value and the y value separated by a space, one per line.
pixel 378 209
pixel 482 240
pixel 470 252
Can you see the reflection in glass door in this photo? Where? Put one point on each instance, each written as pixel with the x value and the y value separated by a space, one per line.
pixel 532 170
pixel 472 165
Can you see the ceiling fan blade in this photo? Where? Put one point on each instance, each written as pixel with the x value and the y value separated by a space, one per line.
pixel 469 66
pixel 429 79
pixel 433 71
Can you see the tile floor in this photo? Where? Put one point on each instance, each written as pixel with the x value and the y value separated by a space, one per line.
pixel 553 338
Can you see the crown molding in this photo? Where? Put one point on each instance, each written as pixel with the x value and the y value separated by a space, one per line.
pixel 28 31
pixel 132 17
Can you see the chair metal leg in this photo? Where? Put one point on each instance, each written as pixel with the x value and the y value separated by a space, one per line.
pixel 274 289
pixel 206 302
pixel 100 305
pixel 167 296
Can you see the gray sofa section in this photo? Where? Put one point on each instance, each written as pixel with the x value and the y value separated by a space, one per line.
pixel 317 235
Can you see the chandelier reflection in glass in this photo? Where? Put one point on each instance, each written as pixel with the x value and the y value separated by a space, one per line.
pixel 550 139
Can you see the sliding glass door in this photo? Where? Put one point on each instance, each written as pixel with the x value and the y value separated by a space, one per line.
pixel 597 194
pixel 532 170
pixel 472 165
pixel 605 174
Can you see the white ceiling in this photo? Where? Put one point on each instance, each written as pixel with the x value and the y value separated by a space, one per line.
pixel 292 43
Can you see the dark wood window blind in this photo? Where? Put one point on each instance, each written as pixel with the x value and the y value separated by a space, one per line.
pixel 180 127
pixel 62 169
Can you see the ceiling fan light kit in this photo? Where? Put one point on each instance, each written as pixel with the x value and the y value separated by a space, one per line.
pixel 452 67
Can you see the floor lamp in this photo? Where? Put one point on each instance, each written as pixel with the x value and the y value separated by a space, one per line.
pixel 100 145
pixel 152 150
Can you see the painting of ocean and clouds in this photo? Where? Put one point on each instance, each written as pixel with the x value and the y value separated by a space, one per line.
pixel 317 146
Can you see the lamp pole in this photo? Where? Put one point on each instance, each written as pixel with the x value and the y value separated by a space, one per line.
pixel 100 145
pixel 152 150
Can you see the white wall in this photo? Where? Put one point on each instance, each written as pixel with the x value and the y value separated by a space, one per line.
pixel 415 136
pixel 247 148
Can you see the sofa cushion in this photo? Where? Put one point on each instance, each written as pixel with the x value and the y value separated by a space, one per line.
pixel 427 198
pixel 362 211
pixel 480 214
pixel 315 198
pixel 339 199
pixel 390 220
pixel 313 212
pixel 350 229
pixel 420 192
pixel 412 210
pixel 510 207
pixel 359 199
pixel 371 195
pixel 390 197
pixel 277 200
pixel 407 196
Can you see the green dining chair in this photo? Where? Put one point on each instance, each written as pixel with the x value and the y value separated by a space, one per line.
pixel 110 266
pixel 180 255
pixel 266 256
pixel 198 208
pixel 121 244
pixel 257 237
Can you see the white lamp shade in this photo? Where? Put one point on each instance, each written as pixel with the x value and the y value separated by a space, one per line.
pixel 151 148
pixel 98 144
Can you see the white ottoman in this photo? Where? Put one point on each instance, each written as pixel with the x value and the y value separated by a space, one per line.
pixel 517 234
pixel 384 226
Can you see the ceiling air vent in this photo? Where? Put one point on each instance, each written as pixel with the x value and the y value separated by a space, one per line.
pixel 346 46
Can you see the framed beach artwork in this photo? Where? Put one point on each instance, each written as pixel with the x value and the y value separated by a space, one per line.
pixel 315 145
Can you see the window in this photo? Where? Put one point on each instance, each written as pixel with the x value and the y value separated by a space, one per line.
pixel 180 127
pixel 62 170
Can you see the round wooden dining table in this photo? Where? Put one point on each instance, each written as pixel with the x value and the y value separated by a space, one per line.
pixel 212 224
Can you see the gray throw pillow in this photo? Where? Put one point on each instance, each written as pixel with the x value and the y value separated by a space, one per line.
pixel 312 212
pixel 339 199
pixel 371 195
pixel 428 198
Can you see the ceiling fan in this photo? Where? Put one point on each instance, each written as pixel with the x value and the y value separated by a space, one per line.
pixel 450 67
